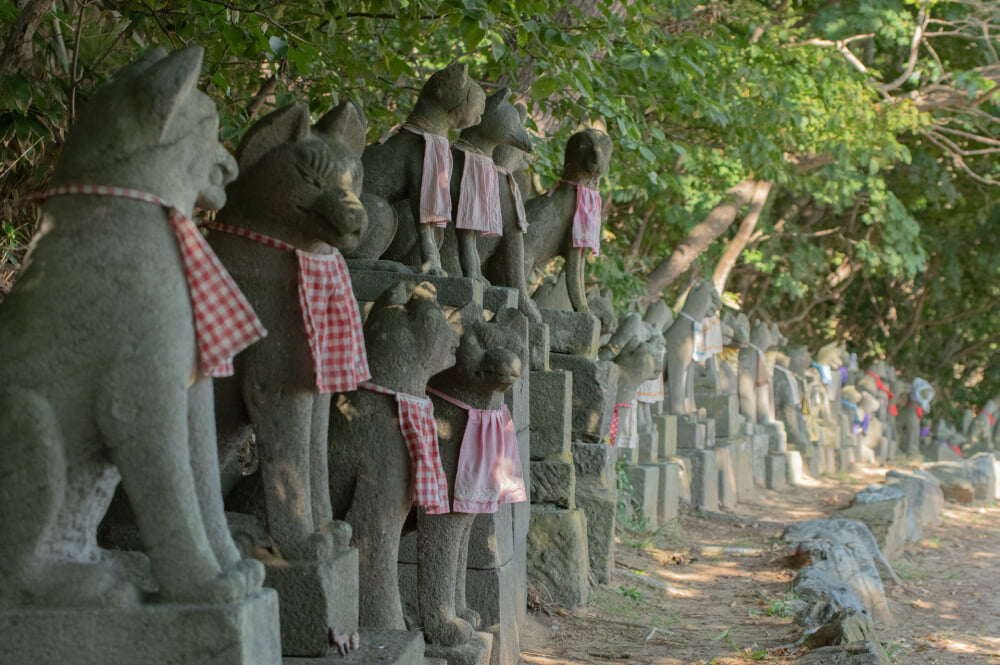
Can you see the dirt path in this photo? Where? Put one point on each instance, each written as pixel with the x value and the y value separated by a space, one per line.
pixel 713 591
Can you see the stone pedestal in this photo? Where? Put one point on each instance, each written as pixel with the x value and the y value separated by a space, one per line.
pixel 645 481
pixel 241 633
pixel 777 438
pixel 743 467
pixel 553 480
pixel 378 647
pixel 558 564
pixel 690 433
pixel 728 490
pixel 776 473
pixel 474 652
pixel 595 383
pixel 574 333
pixel 314 595
pixel 538 347
pixel 795 467
pixel 551 417
pixel 666 435
pixel 684 477
pixel 724 409
pixel 670 490
pixel 368 285
pixel 758 452
pixel 704 479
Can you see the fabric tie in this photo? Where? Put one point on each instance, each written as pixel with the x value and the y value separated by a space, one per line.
pixel 825 375
pixel 329 312
pixel 893 410
pixel 416 422
pixel 587 218
pixel 613 435
pixel 489 463
pixel 925 431
pixel 920 411
pixel 793 385
pixel 224 321
pixel 843 375
pixel 878 383
pixel 435 179
pixel 650 392
pixel 515 194
pixel 990 416
pixel 479 196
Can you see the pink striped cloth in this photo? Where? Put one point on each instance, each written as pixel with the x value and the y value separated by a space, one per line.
pixel 587 219
pixel 224 321
pixel 489 464
pixel 479 197
pixel 416 422
pixel 329 312
pixel 435 182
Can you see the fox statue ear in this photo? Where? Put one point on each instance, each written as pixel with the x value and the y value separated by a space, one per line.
pixel 289 123
pixel 347 124
pixel 164 82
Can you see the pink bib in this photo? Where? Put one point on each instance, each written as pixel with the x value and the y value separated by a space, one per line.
pixel 489 464
pixel 329 312
pixel 224 321
pixel 435 181
pixel 479 197
pixel 587 219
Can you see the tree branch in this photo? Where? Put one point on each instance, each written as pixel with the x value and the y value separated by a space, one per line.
pixel 911 63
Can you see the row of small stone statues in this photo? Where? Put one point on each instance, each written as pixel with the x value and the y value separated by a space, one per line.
pixel 138 353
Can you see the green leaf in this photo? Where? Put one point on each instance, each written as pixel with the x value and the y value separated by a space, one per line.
pixel 9 12
pixel 472 33
pixel 720 636
pixel 543 87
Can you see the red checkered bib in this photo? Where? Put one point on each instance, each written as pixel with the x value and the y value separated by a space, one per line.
pixel 329 312
pixel 479 197
pixel 416 422
pixel 224 321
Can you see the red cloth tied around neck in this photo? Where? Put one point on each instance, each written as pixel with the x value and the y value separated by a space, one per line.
pixel 990 416
pixel 878 382
pixel 920 412
pixel 419 429
pixel 329 312
pixel 893 410
pixel 224 321
pixel 612 437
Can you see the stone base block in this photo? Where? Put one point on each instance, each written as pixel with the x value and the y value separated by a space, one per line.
pixel 777 438
pixel 776 471
pixel 724 409
pixel 378 647
pixel 670 490
pixel 758 452
pixel 538 347
pixel 474 652
pixel 666 435
pixel 242 633
pixel 575 333
pixel 629 456
pixel 795 468
pixel 684 478
pixel 551 417
pixel 647 446
pixel 558 565
pixel 451 291
pixel 728 492
pixel 690 434
pixel 600 507
pixel 313 596
pixel 495 594
pixel 496 298
pixel 595 383
pixel 595 465
pixel 743 467
pixel 705 479
pixel 645 481
pixel 553 481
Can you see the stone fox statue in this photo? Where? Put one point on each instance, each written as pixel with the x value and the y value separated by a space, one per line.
pixel 382 439
pixel 558 221
pixel 396 168
pixel 105 372
pixel 489 361
pixel 295 202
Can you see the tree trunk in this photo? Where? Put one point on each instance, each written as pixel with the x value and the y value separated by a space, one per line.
pixel 739 241
pixel 698 240
pixel 21 34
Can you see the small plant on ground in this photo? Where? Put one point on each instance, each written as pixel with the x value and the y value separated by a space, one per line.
pixel 632 593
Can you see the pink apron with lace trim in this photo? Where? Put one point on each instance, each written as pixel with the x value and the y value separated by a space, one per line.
pixel 416 422
pixel 224 321
pixel 489 464
pixel 329 312
pixel 479 196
